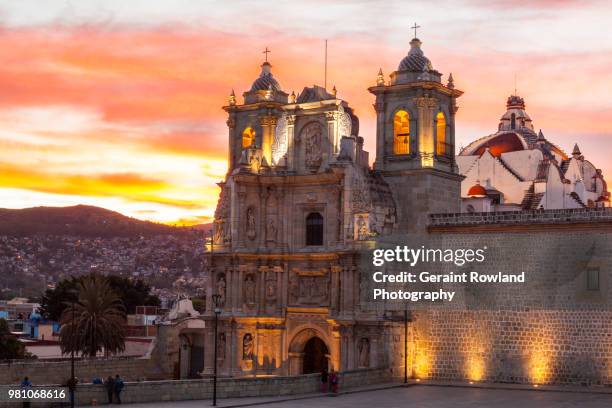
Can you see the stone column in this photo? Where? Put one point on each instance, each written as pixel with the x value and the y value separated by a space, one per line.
pixel 239 219
pixel 425 108
pixel 290 142
pixel 332 130
pixel 231 124
pixel 268 126
pixel 379 107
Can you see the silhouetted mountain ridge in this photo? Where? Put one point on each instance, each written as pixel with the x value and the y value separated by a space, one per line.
pixel 79 220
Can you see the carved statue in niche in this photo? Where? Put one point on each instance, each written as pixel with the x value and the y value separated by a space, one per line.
pixel 312 137
pixel 362 227
pixel 250 221
pixel 271 289
pixel 221 285
pixel 247 347
pixel 221 346
pixel 249 289
pixel 364 352
pixel 271 230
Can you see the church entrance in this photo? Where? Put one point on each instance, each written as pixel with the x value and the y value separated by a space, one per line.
pixel 315 356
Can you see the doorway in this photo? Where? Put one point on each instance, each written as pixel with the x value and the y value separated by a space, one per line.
pixel 315 356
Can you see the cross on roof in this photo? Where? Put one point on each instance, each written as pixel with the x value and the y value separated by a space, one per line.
pixel 414 27
pixel 266 51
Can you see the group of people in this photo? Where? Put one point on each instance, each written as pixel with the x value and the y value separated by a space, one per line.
pixel 114 386
pixel 329 381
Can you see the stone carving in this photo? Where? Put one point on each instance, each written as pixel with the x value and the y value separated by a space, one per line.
pixel 221 286
pixel 312 137
pixel 279 146
pixel 361 227
pixel 294 289
pixel 360 195
pixel 247 347
pixel 249 289
pixel 271 230
pixel 271 289
pixel 221 346
pixel 250 221
pixel 221 231
pixel 345 125
pixel 309 288
pixel 364 352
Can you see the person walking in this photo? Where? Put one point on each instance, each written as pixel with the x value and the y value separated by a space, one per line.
pixel 109 384
pixel 333 379
pixel 26 384
pixel 324 377
pixel 118 388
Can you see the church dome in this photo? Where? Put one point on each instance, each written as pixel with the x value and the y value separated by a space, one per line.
pixel 415 60
pixel 265 81
pixel 500 143
pixel 477 191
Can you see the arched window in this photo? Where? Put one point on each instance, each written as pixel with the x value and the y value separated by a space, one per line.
pixel 314 229
pixel 441 149
pixel 401 132
pixel 248 137
pixel 513 121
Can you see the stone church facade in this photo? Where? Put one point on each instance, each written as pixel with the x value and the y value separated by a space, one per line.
pixel 297 206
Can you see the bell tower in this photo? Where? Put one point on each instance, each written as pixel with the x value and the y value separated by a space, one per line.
pixel 415 139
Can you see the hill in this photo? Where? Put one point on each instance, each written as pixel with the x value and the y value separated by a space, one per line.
pixel 79 220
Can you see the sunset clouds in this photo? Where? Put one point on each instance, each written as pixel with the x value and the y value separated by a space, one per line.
pixel 117 104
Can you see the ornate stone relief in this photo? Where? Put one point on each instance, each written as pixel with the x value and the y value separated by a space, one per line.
pixel 221 233
pixel 221 289
pixel 280 144
pixel 344 125
pixel 312 137
pixel 309 287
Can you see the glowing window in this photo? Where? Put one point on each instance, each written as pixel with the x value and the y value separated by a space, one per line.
pixel 441 135
pixel 248 137
pixel 401 132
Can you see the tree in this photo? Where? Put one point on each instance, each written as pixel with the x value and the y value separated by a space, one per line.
pixel 10 347
pixel 131 292
pixel 97 320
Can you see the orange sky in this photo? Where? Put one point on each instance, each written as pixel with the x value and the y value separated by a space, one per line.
pixel 119 106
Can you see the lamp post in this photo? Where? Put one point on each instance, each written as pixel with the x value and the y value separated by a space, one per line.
pixel 72 382
pixel 216 299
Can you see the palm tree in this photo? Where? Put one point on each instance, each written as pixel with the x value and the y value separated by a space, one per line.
pixel 99 318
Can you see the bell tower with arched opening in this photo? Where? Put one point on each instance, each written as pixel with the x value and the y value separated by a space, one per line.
pixel 415 138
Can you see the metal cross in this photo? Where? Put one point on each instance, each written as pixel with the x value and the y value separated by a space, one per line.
pixel 266 51
pixel 414 27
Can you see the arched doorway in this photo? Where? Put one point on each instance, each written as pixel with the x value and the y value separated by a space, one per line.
pixel 315 356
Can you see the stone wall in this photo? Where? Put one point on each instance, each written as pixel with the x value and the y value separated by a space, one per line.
pixel 550 330
pixel 227 387
pixel 58 372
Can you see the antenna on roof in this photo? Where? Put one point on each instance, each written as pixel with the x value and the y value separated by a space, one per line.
pixel 325 79
pixel 515 94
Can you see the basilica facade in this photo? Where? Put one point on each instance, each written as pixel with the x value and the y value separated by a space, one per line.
pixel 300 200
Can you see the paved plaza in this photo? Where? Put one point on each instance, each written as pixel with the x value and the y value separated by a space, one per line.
pixel 421 397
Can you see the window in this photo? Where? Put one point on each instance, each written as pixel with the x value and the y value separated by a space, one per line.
pixel 593 279
pixel 314 229
pixel 248 137
pixel 441 134
pixel 401 132
pixel 513 121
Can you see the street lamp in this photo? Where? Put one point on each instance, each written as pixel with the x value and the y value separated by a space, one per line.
pixel 72 384
pixel 216 300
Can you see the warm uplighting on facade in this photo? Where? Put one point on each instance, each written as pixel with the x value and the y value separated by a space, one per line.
pixel 475 365
pixel 541 356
